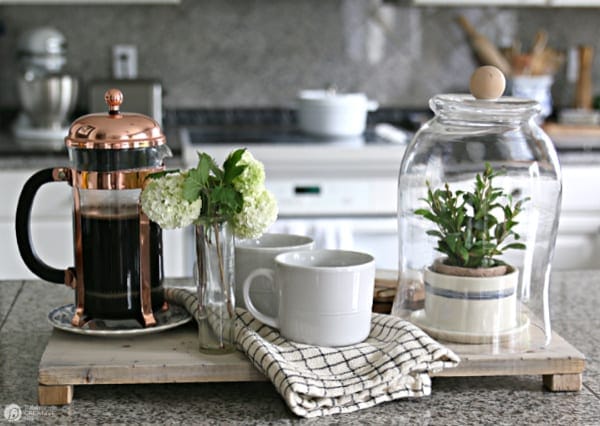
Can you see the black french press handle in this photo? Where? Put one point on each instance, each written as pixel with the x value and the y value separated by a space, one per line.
pixel 22 224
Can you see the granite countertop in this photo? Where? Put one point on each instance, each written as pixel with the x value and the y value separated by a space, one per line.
pixel 24 333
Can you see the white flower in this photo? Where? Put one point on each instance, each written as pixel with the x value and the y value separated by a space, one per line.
pixel 259 212
pixel 163 202
pixel 253 176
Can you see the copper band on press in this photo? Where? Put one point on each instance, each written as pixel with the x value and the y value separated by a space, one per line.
pixel 145 285
pixel 78 318
pixel 126 144
pixel 127 179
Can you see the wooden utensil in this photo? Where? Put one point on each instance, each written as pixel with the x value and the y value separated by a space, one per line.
pixel 552 60
pixel 537 64
pixel 485 50
pixel 583 88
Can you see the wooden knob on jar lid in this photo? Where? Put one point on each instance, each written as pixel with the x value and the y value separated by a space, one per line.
pixel 487 83
pixel 114 99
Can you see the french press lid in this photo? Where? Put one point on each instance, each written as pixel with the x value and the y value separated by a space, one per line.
pixel 116 141
pixel 114 130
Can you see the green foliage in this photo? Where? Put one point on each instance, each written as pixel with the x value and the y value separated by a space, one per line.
pixel 215 186
pixel 158 175
pixel 468 230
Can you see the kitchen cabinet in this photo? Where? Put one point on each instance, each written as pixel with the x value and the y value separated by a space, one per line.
pixel 578 240
pixel 51 229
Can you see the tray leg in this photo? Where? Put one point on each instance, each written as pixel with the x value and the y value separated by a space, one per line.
pixel 55 394
pixel 563 382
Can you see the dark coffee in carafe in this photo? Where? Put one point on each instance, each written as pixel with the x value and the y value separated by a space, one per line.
pixel 111 263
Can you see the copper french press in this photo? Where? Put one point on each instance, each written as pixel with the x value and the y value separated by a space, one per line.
pixel 118 270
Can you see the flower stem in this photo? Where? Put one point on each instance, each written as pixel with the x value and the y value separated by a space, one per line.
pixel 223 275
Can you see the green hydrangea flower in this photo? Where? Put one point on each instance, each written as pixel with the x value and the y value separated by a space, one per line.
pixel 163 202
pixel 259 212
pixel 253 176
pixel 166 199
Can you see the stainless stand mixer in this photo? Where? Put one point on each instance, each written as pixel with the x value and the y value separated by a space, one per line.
pixel 47 94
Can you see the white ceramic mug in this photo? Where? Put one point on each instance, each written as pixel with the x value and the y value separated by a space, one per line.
pixel 325 297
pixel 260 253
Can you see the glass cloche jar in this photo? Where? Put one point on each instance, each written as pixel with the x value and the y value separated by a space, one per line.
pixel 479 172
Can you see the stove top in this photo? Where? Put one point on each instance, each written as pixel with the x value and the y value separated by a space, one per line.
pixel 380 134
pixel 289 152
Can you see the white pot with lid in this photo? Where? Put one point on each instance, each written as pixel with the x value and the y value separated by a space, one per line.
pixel 330 114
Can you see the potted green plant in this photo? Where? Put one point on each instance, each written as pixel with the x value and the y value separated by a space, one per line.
pixel 470 294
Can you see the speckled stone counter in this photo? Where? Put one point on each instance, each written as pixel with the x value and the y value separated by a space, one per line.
pixel 24 332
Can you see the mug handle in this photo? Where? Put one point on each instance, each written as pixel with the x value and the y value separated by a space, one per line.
pixel 22 225
pixel 269 274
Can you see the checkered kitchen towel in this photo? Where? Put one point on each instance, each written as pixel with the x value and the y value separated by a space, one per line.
pixel 393 362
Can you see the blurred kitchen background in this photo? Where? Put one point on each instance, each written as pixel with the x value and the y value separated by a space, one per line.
pixel 225 65
pixel 213 53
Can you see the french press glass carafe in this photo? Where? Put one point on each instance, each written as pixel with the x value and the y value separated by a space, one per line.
pixel 118 269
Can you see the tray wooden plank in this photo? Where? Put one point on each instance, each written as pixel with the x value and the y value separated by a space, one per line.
pixel 169 357
pixel 559 357
pixel 173 357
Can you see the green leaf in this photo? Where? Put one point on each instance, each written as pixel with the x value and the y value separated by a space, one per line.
pixel 233 158
pixel 434 233
pixel 232 172
pixel 157 175
pixel 192 185
pixel 229 199
pixel 231 168
pixel 427 215
pixel 451 240
pixel 206 164
pixel 460 217
pixel 514 246
pixel 464 254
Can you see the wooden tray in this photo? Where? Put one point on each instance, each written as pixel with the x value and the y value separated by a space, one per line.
pixel 173 357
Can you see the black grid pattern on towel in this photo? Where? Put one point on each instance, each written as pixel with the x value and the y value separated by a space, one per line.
pixel 182 297
pixel 393 362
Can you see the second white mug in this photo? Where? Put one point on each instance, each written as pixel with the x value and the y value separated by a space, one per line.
pixel 260 253
pixel 324 297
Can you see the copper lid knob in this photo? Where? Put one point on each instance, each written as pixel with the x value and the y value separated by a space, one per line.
pixel 114 99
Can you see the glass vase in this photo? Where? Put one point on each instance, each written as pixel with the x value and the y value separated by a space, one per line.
pixel 214 276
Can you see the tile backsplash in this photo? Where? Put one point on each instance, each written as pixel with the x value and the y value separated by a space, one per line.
pixel 240 53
